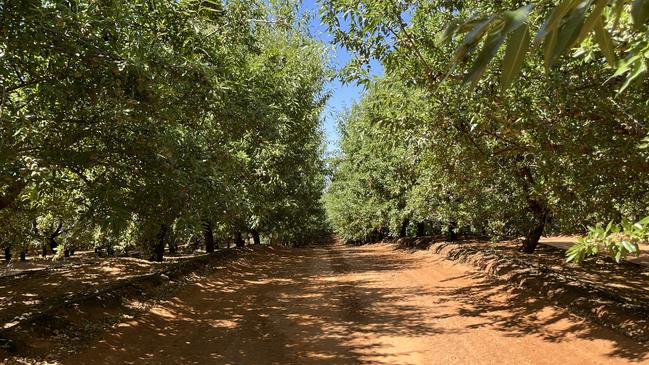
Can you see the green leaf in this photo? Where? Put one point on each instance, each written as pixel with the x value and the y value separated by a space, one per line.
pixel 626 65
pixel 470 24
pixel 471 38
pixel 617 12
pixel 478 30
pixel 549 44
pixel 493 42
pixel 567 32
pixel 590 22
pixel 639 70
pixel 630 247
pixel 550 24
pixel 605 42
pixel 572 254
pixel 644 221
pixel 517 47
pixel 448 32
pixel 640 13
pixel 516 18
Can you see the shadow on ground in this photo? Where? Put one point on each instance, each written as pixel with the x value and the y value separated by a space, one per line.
pixel 282 306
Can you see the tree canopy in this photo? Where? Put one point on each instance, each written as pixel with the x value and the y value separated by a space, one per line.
pixel 136 123
pixel 559 151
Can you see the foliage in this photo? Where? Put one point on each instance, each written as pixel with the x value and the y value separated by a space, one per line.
pixel 555 154
pixel 125 123
pixel 565 26
pixel 615 240
pixel 614 31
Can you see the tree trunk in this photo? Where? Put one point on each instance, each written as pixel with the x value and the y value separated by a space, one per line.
pixel 158 249
pixel 208 234
pixel 51 241
pixel 371 238
pixel 532 238
pixel 451 234
pixel 22 256
pixel 52 237
pixel 404 228
pixel 238 239
pixel 44 251
pixel 421 229
pixel 382 233
pixel 66 253
pixel 255 237
pixel 7 254
pixel 541 215
pixel 540 212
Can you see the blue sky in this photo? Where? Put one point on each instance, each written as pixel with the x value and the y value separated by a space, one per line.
pixel 342 96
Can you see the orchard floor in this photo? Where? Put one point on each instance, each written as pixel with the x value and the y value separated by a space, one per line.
pixel 335 304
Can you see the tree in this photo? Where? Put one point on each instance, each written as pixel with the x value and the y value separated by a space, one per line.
pixel 539 158
pixel 376 28
pixel 142 123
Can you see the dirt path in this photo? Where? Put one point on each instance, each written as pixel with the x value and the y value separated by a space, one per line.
pixel 363 305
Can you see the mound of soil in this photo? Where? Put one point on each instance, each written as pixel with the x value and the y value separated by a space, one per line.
pixel 608 293
pixel 63 308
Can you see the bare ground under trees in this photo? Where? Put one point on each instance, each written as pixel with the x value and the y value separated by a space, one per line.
pixel 336 304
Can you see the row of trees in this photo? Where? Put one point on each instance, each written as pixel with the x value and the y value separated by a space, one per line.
pixel 560 150
pixel 152 123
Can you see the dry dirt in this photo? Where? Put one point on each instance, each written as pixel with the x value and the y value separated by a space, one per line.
pixel 26 288
pixel 336 304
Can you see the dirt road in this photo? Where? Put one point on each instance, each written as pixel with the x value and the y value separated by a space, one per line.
pixel 355 305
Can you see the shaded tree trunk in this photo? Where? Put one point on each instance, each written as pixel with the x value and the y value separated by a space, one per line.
pixel 404 228
pixel 158 249
pixel 208 236
pixel 66 253
pixel 451 234
pixel 238 239
pixel 421 229
pixel 23 255
pixel 44 251
pixel 540 213
pixel 533 235
pixel 382 233
pixel 255 237
pixel 51 241
pixel 7 254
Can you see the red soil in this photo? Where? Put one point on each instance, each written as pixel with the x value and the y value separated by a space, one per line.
pixel 355 305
